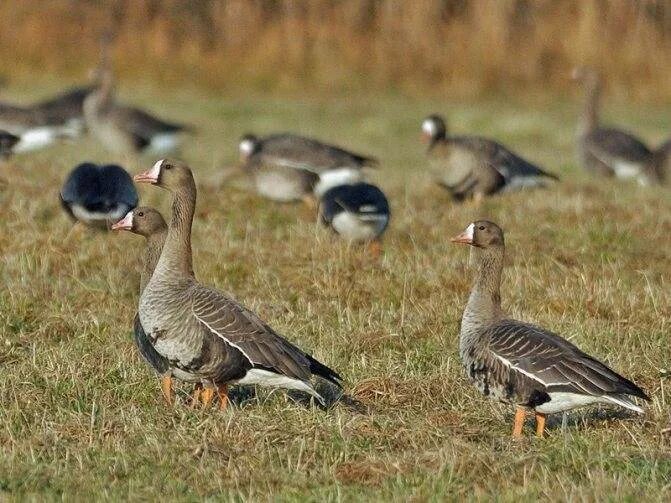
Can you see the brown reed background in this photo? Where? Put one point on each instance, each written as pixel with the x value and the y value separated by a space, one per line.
pixel 421 46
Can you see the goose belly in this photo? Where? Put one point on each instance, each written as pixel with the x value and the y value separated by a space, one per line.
pixel 99 217
pixel 163 143
pixel 36 139
pixel 356 228
pixel 336 177
pixel 563 401
pixel 284 186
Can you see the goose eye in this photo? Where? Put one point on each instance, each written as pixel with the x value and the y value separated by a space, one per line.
pixel 482 227
pixel 168 166
pixel 141 214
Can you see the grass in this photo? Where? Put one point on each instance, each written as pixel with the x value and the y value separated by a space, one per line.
pixel 82 416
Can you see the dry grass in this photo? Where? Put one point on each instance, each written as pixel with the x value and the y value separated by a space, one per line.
pixel 464 48
pixel 82 417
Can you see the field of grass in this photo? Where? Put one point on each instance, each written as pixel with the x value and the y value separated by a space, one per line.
pixel 82 418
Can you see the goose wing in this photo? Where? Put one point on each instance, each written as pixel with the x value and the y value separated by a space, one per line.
pixel 613 145
pixel 260 344
pixel 554 362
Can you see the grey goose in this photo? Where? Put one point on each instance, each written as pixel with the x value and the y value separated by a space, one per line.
pixel 98 195
pixel 524 364
pixel 357 212
pixel 123 129
pixel 204 331
pixel 149 223
pixel 475 167
pixel 608 151
pixel 308 165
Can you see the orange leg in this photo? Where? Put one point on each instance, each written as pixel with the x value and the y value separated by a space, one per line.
pixel 166 388
pixel 207 395
pixel 222 391
pixel 375 249
pixel 195 395
pixel 520 415
pixel 540 424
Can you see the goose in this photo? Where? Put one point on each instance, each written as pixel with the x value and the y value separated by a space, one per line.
pixel 608 151
pixel 127 130
pixel 32 128
pixel 66 108
pixel 7 143
pixel 149 223
pixel 204 331
pixel 98 195
pixel 475 167
pixel 520 363
pixel 332 165
pixel 358 212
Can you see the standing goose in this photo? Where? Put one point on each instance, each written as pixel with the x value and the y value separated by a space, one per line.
pixel 524 364
pixel 98 195
pixel 475 167
pixel 332 165
pixel 358 212
pixel 203 331
pixel 608 151
pixel 149 223
pixel 127 130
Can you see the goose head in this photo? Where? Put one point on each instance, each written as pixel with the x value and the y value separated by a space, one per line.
pixel 481 234
pixel 144 221
pixel 249 144
pixel 168 174
pixel 433 128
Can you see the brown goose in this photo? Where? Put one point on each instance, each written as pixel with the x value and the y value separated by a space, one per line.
pixel 524 364
pixel 149 223
pixel 206 332
pixel 33 128
pixel 474 167
pixel 288 166
pixel 127 130
pixel 608 151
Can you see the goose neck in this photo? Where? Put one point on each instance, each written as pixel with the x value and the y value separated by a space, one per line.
pixel 176 254
pixel 589 120
pixel 484 303
pixel 152 254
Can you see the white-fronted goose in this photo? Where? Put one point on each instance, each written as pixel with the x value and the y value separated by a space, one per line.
pixel 7 143
pixel 66 108
pixel 524 364
pixel 333 165
pixel 608 151
pixel 98 195
pixel 202 330
pixel 127 130
pixel 149 223
pixel 35 132
pixel 474 167
pixel 358 212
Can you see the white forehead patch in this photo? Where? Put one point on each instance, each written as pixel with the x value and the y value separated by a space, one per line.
pixel 246 147
pixel 469 231
pixel 156 169
pixel 428 127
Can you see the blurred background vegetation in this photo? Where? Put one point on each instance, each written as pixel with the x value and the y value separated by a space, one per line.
pixel 464 47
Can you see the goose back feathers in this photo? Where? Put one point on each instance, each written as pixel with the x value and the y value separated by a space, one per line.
pixel 520 363
pixel 98 194
pixel 202 330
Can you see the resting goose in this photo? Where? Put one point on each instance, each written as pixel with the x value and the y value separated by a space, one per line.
pixel 206 332
pixel 358 212
pixel 127 130
pixel 320 166
pixel 524 364
pixel 474 167
pixel 98 195
pixel 66 108
pixel 608 151
pixel 149 223
pixel 32 128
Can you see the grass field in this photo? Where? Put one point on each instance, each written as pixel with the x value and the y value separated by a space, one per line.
pixel 81 415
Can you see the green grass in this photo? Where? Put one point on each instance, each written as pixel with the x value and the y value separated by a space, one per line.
pixel 81 415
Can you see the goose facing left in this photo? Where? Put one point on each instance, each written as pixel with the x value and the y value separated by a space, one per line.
pixel 204 331
pixel 520 363
pixel 98 195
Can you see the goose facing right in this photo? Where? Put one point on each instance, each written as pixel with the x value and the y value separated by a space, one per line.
pixel 523 364
pixel 204 331
pixel 475 167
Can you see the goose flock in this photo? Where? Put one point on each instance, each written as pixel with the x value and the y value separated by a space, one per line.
pixel 192 333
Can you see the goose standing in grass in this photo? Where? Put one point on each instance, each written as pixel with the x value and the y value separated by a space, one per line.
pixel 149 223
pixel 127 130
pixel 98 195
pixel 608 151
pixel 358 212
pixel 524 364
pixel 203 331
pixel 475 167
pixel 288 167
